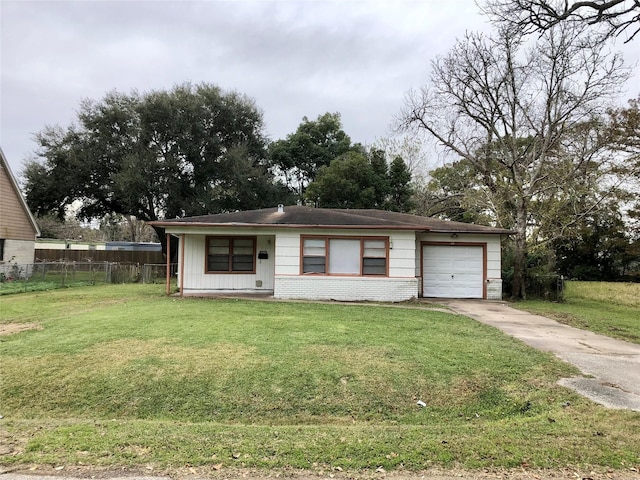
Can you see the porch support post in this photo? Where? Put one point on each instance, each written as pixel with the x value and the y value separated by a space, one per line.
pixel 168 264
pixel 182 265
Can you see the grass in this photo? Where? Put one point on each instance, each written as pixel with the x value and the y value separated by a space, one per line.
pixel 122 375
pixel 612 309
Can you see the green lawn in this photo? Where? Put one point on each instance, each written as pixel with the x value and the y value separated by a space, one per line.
pixel 612 309
pixel 122 375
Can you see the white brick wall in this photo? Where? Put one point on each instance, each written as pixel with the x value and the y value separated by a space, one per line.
pixel 19 251
pixel 346 288
pixel 494 289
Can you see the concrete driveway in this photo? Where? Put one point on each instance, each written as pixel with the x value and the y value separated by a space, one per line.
pixel 613 366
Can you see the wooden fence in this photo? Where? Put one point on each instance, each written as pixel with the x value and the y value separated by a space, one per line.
pixel 118 256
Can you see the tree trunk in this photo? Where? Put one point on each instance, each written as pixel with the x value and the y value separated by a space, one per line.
pixel 173 247
pixel 518 287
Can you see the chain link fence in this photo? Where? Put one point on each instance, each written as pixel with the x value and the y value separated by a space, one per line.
pixel 16 278
pixel 157 272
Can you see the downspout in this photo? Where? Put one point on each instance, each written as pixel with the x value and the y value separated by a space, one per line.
pixel 182 265
pixel 168 264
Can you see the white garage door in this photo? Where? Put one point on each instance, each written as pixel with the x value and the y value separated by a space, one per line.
pixel 452 271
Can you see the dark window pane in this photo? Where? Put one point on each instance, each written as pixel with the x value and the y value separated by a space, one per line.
pixel 313 265
pixel 242 263
pixel 374 266
pixel 218 263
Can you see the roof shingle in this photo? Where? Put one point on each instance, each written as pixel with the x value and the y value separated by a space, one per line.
pixel 298 216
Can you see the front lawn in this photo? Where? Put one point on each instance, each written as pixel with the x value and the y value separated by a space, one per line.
pixel 609 308
pixel 122 375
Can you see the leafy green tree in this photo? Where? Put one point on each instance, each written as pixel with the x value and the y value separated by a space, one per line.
pixel 348 182
pixel 313 145
pixel 599 251
pixel 192 150
pixel 362 180
pixel 400 188
pixel 380 178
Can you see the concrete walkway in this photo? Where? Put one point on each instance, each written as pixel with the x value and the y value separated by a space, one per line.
pixel 613 364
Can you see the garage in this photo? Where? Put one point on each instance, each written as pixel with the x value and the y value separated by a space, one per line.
pixel 453 271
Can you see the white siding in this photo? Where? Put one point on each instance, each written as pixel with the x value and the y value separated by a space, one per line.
pixel 281 272
pixel 288 252
pixel 402 256
pixel 400 285
pixel 197 281
pixel 402 252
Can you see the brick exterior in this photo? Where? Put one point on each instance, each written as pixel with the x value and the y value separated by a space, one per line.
pixel 346 288
pixel 494 289
pixel 18 251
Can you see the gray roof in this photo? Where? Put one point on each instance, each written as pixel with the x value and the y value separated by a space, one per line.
pixel 297 216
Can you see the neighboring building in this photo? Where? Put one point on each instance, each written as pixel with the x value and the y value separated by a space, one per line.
pixel 336 254
pixel 134 246
pixel 58 244
pixel 18 228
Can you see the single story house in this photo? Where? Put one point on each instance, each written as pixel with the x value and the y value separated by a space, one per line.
pixel 297 252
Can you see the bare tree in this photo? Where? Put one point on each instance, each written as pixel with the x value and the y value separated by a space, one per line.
pixel 619 16
pixel 524 116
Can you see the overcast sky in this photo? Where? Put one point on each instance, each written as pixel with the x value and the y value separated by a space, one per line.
pixel 295 58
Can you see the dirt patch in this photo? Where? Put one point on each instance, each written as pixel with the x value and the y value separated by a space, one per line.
pixel 11 328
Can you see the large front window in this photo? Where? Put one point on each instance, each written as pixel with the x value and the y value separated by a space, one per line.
pixel 231 254
pixel 345 255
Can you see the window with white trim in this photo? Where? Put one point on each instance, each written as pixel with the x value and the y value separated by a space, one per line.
pixel 345 255
pixel 231 254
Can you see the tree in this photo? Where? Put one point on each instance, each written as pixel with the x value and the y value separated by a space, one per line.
pixel 349 181
pixel 412 149
pixel 380 178
pixel 400 188
pixel 526 119
pixel 362 180
pixel 126 228
pixel 189 151
pixel 600 251
pixel 455 192
pixel 619 16
pixel 70 229
pixel 314 144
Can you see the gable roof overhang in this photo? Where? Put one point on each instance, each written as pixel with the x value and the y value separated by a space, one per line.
pixel 300 217
pixel 14 184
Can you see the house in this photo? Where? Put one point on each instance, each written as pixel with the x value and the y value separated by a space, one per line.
pixel 18 228
pixel 316 253
pixel 134 246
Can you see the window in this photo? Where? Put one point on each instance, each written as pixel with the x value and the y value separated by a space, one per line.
pixel 1 249
pixel 314 258
pixel 374 257
pixel 345 255
pixel 231 254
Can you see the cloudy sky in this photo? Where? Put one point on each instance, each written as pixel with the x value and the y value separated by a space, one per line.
pixel 296 58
